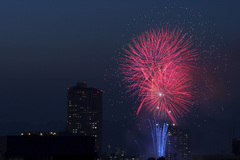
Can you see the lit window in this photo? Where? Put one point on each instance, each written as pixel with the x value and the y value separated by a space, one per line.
pixel 74 130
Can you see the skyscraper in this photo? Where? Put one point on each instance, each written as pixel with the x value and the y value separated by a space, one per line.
pixel 178 144
pixel 85 113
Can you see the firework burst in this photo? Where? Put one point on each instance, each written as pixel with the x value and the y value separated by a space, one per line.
pixel 157 68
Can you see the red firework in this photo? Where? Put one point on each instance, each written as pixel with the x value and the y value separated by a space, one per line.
pixel 157 67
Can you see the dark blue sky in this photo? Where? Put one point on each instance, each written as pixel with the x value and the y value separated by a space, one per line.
pixel 46 47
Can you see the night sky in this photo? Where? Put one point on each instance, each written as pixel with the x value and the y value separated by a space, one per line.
pixel 46 47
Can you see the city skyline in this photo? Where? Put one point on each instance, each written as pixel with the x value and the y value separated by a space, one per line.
pixel 47 47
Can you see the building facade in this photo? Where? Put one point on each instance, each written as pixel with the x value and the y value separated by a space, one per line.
pixel 85 113
pixel 178 144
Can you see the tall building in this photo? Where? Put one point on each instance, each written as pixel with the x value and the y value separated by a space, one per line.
pixel 178 144
pixel 85 113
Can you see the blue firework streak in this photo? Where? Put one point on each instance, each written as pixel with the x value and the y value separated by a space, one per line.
pixel 159 137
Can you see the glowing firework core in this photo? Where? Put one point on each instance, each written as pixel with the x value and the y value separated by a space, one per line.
pixel 160 94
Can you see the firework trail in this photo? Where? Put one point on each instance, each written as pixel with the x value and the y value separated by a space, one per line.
pixel 139 147
pixel 156 68
pixel 159 137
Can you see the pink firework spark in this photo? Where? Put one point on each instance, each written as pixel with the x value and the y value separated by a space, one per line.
pixel 157 67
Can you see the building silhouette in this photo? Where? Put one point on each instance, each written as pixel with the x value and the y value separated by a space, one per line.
pixel 46 146
pixel 215 157
pixel 235 147
pixel 178 144
pixel 85 113
pixel 234 153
